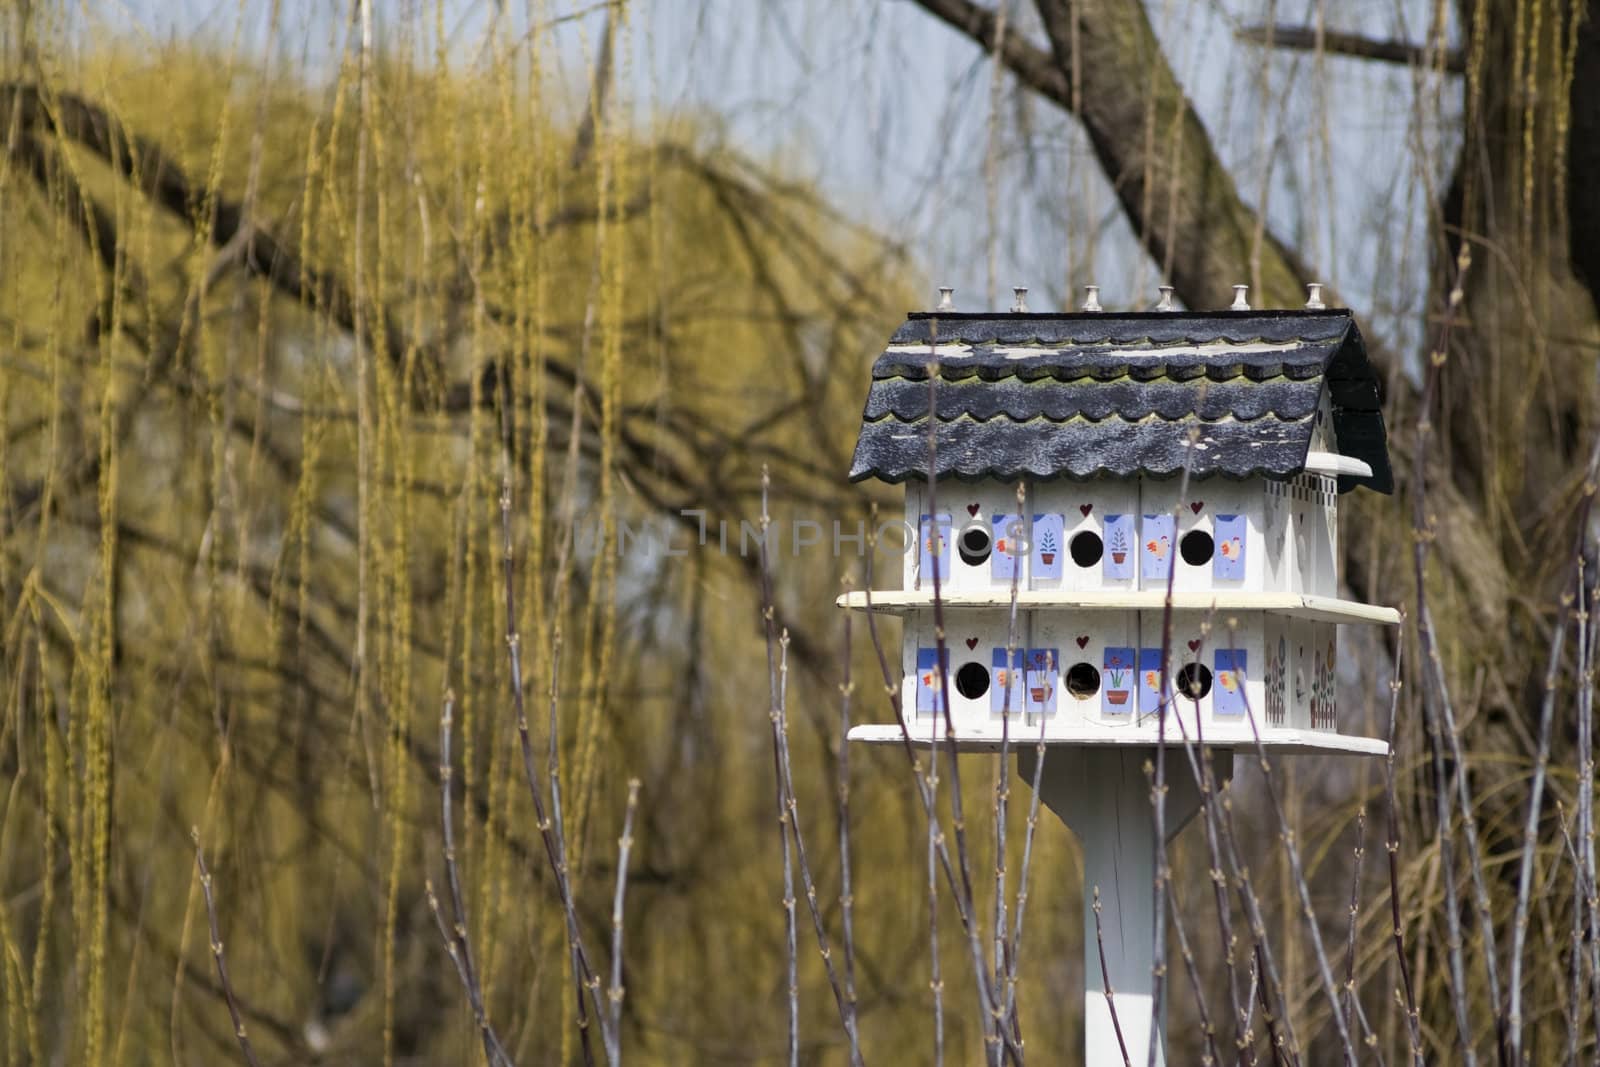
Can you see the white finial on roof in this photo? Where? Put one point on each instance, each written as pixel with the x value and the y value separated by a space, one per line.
pixel 1240 303
pixel 1021 305
pixel 1165 303
pixel 947 298
pixel 1091 298
pixel 1314 296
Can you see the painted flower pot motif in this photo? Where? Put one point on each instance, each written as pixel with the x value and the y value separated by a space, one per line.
pixel 1119 674
pixel 1049 534
pixel 1040 680
pixel 1118 542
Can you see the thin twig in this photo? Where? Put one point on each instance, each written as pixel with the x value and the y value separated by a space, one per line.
pixel 774 670
pixel 1580 895
pixel 1105 980
pixel 935 841
pixel 456 934
pixel 1391 847
pixel 218 956
pixel 789 812
pixel 1433 675
pixel 1358 854
pixel 1220 831
pixel 550 833
pixel 1003 946
pixel 1158 794
pixel 991 1031
pixel 1022 884
pixel 846 893
pixel 1587 636
pixel 1302 888
pixel 1530 829
pixel 908 745
pixel 1210 1056
pixel 624 846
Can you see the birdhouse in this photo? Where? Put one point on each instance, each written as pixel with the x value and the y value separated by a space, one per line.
pixel 1190 459
pixel 1128 523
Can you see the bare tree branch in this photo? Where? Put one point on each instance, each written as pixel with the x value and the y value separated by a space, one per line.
pixel 1353 45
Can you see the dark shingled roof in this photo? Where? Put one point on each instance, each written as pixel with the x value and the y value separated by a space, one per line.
pixel 1116 394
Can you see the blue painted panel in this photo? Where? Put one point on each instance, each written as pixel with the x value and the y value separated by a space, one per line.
pixel 1049 546
pixel 1232 537
pixel 1122 546
pixel 930 690
pixel 1117 681
pixel 1227 683
pixel 1007 666
pixel 1149 681
pixel 1159 543
pixel 1010 542
pixel 934 537
pixel 1044 680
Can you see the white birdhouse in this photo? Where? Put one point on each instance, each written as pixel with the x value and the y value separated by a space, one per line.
pixel 1096 415
pixel 1180 475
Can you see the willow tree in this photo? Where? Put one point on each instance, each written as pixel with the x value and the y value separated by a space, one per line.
pixel 278 342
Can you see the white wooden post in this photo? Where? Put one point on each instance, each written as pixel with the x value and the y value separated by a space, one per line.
pixel 1102 794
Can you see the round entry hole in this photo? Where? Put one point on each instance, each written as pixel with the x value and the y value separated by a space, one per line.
pixel 1196 548
pixel 975 546
pixel 1083 680
pixel 1086 548
pixel 972 680
pixel 1194 681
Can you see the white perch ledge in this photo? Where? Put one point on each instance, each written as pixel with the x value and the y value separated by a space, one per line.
pixel 986 738
pixel 1333 463
pixel 1297 605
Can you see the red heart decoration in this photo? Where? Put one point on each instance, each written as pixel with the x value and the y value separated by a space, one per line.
pixel 1196 506
pixel 972 509
pixel 1083 641
pixel 1084 509
pixel 972 642
pixel 1194 646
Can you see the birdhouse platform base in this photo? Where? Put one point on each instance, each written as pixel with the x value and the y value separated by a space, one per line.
pixel 1275 740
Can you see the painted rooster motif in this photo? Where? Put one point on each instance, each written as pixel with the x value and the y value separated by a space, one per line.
pixel 1159 548
pixel 1231 549
pixel 1228 680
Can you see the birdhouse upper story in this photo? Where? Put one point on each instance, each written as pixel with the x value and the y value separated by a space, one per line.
pixel 1185 458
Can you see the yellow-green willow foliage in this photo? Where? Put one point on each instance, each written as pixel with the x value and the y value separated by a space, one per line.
pixel 262 339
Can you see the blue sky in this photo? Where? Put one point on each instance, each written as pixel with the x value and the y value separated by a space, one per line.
pixel 889 112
